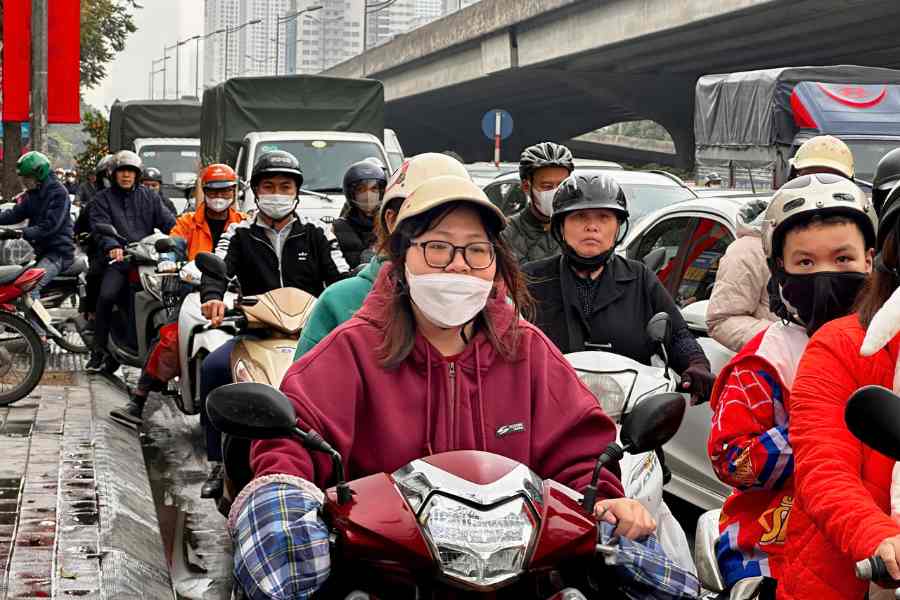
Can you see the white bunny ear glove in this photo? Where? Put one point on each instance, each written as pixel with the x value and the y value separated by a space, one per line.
pixel 884 326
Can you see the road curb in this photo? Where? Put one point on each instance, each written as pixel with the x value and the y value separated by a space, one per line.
pixel 133 563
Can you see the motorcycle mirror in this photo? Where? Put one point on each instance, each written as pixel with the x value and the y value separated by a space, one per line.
pixel 655 259
pixel 165 244
pixel 211 265
pixel 652 422
pixel 872 414
pixel 251 410
pixel 659 328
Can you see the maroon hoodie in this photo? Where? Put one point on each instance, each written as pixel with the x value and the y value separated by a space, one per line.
pixel 533 410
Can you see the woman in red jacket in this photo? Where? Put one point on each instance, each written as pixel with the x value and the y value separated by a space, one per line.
pixel 841 511
pixel 436 360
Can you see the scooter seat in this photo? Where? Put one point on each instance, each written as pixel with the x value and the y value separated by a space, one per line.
pixel 10 273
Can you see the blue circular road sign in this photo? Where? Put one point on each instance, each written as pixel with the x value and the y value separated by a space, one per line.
pixel 489 124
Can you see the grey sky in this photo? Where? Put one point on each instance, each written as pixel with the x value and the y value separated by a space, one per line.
pixel 160 22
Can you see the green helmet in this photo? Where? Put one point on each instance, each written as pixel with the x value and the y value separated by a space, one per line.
pixel 33 164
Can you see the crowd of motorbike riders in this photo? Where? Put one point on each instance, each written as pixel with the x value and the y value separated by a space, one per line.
pixel 423 278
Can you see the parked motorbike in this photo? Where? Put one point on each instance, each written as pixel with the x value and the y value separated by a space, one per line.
pixel 429 531
pixel 620 384
pixel 22 355
pixel 131 335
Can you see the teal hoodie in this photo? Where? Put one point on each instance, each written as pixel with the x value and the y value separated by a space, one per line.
pixel 338 303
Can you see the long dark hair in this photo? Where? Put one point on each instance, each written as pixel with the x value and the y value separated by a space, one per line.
pixel 883 281
pixel 400 330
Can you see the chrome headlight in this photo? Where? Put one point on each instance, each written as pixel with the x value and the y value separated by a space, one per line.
pixel 152 283
pixel 610 389
pixel 481 547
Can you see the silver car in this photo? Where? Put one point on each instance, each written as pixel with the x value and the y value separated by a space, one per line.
pixel 683 243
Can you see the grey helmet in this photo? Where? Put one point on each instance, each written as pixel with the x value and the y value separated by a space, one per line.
pixel 126 159
pixel 545 154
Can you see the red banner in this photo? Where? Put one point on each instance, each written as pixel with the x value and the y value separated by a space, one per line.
pixel 16 59
pixel 63 61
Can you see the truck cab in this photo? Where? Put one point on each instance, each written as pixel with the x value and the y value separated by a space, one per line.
pixel 178 160
pixel 324 158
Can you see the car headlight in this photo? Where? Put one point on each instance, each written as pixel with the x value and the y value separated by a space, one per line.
pixel 481 547
pixel 152 283
pixel 610 389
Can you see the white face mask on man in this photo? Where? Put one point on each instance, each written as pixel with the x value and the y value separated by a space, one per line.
pixel 544 201
pixel 276 206
pixel 449 299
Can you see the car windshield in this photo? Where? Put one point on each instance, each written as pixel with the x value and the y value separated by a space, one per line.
pixel 644 199
pixel 867 153
pixel 324 162
pixel 174 162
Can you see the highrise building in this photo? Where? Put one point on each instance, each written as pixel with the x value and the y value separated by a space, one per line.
pixel 257 42
pixel 325 37
pixel 219 14
pixel 400 17
pixel 449 6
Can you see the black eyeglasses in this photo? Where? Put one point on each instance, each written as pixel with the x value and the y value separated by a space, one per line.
pixel 439 255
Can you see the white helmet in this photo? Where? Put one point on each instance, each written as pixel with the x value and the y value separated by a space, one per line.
pixel 824 194
pixel 824 151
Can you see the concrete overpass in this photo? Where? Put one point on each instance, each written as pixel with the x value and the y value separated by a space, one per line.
pixel 567 67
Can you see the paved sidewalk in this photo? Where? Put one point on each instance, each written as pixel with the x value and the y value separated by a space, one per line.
pixel 77 517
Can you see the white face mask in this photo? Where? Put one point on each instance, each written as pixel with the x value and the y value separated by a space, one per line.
pixel 276 206
pixel 544 201
pixel 449 299
pixel 368 201
pixel 218 204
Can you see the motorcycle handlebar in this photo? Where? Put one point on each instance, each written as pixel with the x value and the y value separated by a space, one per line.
pixel 873 569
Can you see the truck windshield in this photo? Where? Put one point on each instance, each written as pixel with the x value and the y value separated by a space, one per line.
pixel 324 162
pixel 174 162
pixel 867 153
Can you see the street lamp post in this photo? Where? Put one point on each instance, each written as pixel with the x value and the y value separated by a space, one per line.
pixel 285 19
pixel 154 71
pixel 197 58
pixel 322 23
pixel 228 32
pixel 178 63
pixel 167 57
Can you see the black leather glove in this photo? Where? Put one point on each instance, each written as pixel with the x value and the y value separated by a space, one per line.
pixel 698 380
pixel 10 234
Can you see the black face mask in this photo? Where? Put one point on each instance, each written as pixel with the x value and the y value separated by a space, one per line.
pixel 820 297
pixel 583 263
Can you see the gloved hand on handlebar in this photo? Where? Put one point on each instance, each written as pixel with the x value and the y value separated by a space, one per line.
pixel 281 547
pixel 10 234
pixel 698 380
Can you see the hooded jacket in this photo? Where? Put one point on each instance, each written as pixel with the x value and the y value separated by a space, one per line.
pixel 529 238
pixel 739 304
pixel 336 305
pixel 194 228
pixel 533 409
pixel 841 510
pixel 49 228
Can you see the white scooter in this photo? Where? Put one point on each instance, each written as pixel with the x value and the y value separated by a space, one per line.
pixel 620 383
pixel 196 340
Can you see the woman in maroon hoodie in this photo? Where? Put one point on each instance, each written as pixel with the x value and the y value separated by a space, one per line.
pixel 436 360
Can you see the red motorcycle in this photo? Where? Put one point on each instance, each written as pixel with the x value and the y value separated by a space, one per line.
pixel 453 525
pixel 22 357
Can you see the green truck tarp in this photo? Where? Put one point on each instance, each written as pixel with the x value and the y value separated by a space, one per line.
pixel 135 119
pixel 238 106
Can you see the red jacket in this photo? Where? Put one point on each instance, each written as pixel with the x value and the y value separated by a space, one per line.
pixel 842 504
pixel 533 410
pixel 749 446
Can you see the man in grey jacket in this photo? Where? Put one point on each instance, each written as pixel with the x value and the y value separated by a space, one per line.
pixel 542 168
